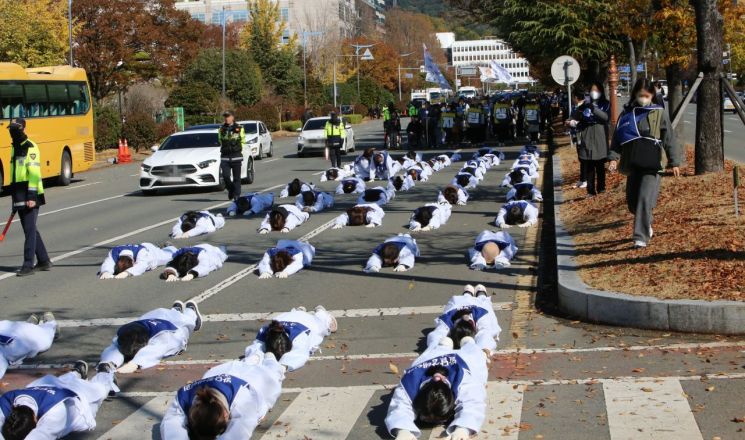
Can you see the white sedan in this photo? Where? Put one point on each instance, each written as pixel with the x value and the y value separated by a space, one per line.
pixel 312 137
pixel 189 159
pixel 259 138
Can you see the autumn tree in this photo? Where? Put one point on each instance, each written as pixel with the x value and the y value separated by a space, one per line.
pixel 399 26
pixel 734 32
pixel 33 33
pixel 383 70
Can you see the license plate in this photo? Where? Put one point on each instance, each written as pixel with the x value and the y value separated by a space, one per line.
pixel 173 179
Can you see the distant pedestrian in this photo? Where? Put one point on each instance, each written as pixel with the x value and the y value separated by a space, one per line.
pixel 231 137
pixel 27 190
pixel 590 120
pixel 643 131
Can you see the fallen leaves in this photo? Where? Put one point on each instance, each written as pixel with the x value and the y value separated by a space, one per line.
pixel 393 368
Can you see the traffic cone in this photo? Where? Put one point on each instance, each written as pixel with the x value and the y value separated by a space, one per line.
pixel 124 156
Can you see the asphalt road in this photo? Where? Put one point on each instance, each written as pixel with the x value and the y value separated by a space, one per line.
pixel 552 377
pixel 734 133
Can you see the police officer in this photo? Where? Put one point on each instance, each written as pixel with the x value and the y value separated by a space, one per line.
pixel 231 137
pixel 335 135
pixel 28 195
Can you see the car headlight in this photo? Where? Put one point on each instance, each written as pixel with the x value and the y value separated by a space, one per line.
pixel 206 163
pixel 253 141
pixel 146 168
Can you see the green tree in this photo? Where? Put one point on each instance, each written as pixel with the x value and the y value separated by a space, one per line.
pixel 33 33
pixel 199 100
pixel 140 130
pixel 243 76
pixel 107 126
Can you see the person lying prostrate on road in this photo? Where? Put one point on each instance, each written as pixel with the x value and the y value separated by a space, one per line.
pixel 480 165
pixel 283 218
pixel 524 191
pixel 287 258
pixel 383 167
pixel 363 164
pixel 52 407
pixel 369 214
pixel 133 260
pixel 445 160
pixel 292 337
pixel 492 250
pixel 430 216
pixel 294 188
pixel 416 174
pixel 427 170
pixel 405 162
pixel 481 152
pixel 398 252
pixel 436 165
pixel 492 159
pixel 476 172
pixel 351 185
pixel 156 335
pixel 526 160
pixel 518 213
pixel 401 183
pixel 25 340
pixel 378 195
pixel 195 223
pixel 251 204
pixel 465 180
pixel 442 386
pixel 337 174
pixel 228 403
pixel 470 314
pixel 531 149
pixel 194 262
pixel 453 194
pixel 516 177
pixel 314 201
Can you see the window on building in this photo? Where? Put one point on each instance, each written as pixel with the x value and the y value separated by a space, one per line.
pixel 285 13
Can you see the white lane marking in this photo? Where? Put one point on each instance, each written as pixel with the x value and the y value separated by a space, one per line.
pixel 266 316
pixel 728 131
pixel 687 122
pixel 44 213
pixel 504 410
pixel 134 175
pixel 318 174
pixel 320 414
pixel 82 186
pixel 140 423
pixel 649 410
pixel 732 118
pixel 119 237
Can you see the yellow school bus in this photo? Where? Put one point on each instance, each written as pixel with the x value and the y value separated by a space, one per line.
pixel 56 103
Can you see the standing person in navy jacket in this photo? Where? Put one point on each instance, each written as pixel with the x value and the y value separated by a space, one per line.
pixel 590 120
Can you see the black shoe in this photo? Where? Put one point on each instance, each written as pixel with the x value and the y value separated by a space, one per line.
pixel 192 305
pixel 178 306
pixel 81 367
pixel 45 266
pixel 231 197
pixel 25 271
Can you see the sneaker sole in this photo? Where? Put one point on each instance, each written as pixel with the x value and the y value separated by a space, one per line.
pixel 198 324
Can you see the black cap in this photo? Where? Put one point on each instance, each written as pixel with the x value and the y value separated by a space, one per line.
pixel 227 113
pixel 20 121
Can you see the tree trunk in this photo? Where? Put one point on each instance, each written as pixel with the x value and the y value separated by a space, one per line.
pixel 709 148
pixel 632 62
pixel 674 75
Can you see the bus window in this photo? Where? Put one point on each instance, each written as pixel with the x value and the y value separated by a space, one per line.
pixel 11 100
pixel 79 97
pixel 37 103
pixel 59 101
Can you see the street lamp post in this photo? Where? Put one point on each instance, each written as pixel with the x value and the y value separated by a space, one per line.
pixel 305 35
pixel 223 52
pixel 69 28
pixel 400 95
pixel 357 48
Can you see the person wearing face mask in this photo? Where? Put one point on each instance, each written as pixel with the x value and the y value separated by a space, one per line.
pixel 590 120
pixel 642 133
pixel 27 192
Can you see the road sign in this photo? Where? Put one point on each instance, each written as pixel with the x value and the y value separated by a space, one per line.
pixel 367 56
pixel 565 70
pixel 408 75
pixel 468 71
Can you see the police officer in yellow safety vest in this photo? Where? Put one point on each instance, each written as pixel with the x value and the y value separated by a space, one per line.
pixel 335 135
pixel 28 195
pixel 232 137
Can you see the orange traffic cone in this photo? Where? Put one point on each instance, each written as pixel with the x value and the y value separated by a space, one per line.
pixel 124 156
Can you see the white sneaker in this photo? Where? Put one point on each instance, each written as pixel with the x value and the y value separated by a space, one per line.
pixel 582 185
pixel 638 244
pixel 651 232
pixel 468 290
pixel 481 290
pixel 301 308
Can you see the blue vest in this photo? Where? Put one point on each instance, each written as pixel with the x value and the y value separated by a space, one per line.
pixel 182 251
pixel 588 117
pixel 399 244
pixel 382 168
pixel 525 162
pixel 293 330
pixel 476 311
pixel 6 340
pixel 224 383
pixel 414 376
pixel 292 250
pixel 154 326
pixel 117 250
pixel 627 129
pixel 524 184
pixel 45 397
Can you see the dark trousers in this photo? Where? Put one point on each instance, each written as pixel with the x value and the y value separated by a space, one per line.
pixel 595 175
pixel 582 170
pixel 33 245
pixel 642 190
pixel 334 145
pixel 231 172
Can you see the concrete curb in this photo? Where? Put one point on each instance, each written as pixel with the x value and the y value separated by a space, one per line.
pixel 587 304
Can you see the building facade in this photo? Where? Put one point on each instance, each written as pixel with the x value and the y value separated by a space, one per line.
pixel 483 52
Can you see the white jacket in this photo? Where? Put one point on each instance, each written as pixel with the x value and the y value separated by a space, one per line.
pixel 295 218
pixel 440 215
pixel 487 325
pixel 529 213
pixel 207 224
pixel 22 340
pixel 406 256
pixel 462 196
pixel 386 195
pixel 374 216
pixel 210 259
pixel 502 239
pixel 146 256
pixel 359 185
pixel 324 200
pixel 302 255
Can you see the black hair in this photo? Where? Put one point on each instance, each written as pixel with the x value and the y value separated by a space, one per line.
pixel 332 174
pixel 411 155
pixel 348 186
pixel 389 254
pixel 514 215
pixel 463 180
pixel 524 192
pixel 242 205
pixel 600 87
pixel 309 198
pixel 280 261
pixel 378 156
pixel 368 152
pixel 398 182
pixel 516 176
pixel 371 195
pixel 122 264
pixel 435 401
pixel 414 173
pixel 642 84
pixel 469 170
pixel 294 187
pixel 461 327
pixel 277 219
pixel 423 215
pixel 189 220
pixel 183 263
pixel 277 341
pixel 19 423
pixel 131 338
pixel 450 193
pixel 357 215
pixel 206 418
pixel 578 93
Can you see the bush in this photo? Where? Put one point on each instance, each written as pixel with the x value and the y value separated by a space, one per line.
pixel 165 129
pixel 360 109
pixel 291 125
pixel 140 131
pixel 354 118
pixel 265 110
pixel 107 127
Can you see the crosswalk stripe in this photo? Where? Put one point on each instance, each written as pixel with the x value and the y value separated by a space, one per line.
pixel 140 423
pixel 321 414
pixel 503 412
pixel 649 410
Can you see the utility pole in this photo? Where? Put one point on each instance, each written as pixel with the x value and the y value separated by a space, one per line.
pixel 400 93
pixel 69 28
pixel 305 35
pixel 223 52
pixel 357 48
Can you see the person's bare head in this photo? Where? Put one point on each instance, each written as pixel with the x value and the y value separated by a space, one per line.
pixel 514 215
pixel 277 220
pixel 280 260
pixel 490 252
pixel 357 216
pixel 348 186
pixel 450 193
pixel 389 254
pixel 208 416
pixel 123 264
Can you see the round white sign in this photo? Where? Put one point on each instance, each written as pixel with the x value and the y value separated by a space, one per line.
pixel 565 70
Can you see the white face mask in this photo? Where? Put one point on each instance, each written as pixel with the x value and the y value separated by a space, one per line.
pixel 643 101
pixel 595 95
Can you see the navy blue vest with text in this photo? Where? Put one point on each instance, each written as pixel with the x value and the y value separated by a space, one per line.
pixel 414 376
pixel 117 250
pixel 182 251
pixel 293 330
pixel 476 311
pixel 45 397
pixel 226 384
pixel 6 340
pixel 153 326
pixel 627 129
pixel 289 249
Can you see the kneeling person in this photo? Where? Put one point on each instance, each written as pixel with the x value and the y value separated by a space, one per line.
pixel 518 213
pixel 314 201
pixel 370 215
pixel 430 216
pixel 378 195
pixel 287 258
pixel 398 252
pixel 492 250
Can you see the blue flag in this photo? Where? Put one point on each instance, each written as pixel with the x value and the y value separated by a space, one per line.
pixel 433 72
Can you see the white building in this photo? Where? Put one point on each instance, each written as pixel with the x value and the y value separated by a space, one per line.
pixel 483 52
